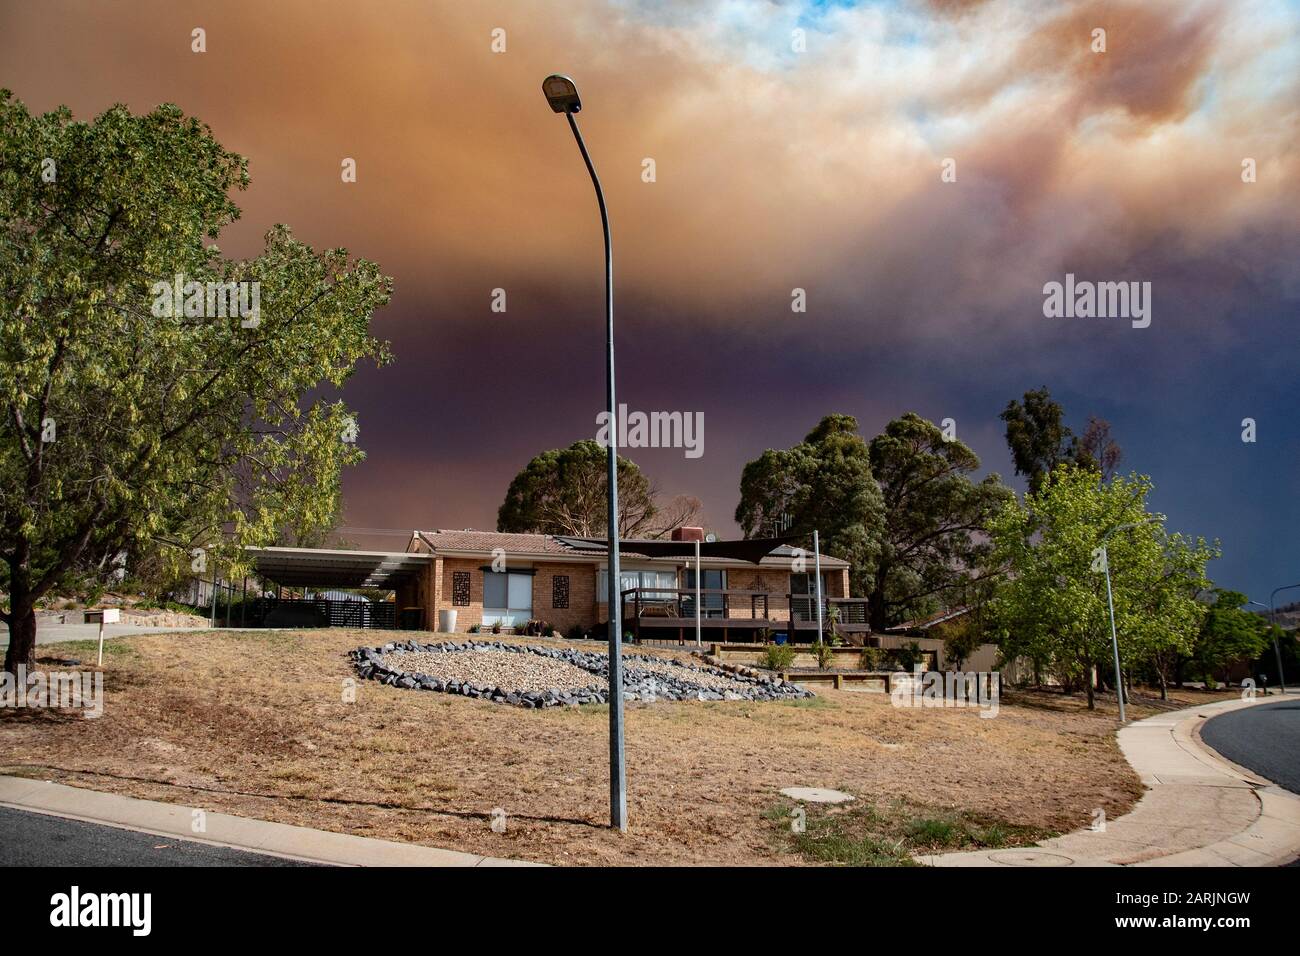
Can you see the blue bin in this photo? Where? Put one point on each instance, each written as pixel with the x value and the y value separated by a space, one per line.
pixel 780 637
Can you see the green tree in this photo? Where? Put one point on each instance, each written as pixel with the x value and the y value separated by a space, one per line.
pixel 563 491
pixel 824 483
pixel 1228 634
pixel 1052 607
pixel 128 421
pixel 933 546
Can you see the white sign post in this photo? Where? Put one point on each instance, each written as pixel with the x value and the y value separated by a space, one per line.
pixel 108 615
pixel 697 593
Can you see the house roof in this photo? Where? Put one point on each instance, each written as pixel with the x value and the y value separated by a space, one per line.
pixel 326 568
pixel 487 541
pixel 469 541
pixel 929 621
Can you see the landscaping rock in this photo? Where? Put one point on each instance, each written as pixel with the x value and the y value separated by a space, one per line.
pixel 537 677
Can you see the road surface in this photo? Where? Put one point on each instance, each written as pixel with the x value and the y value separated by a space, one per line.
pixel 1264 738
pixel 38 839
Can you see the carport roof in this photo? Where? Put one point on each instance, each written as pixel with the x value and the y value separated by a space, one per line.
pixel 318 567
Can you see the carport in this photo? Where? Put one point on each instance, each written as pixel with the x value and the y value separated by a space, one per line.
pixel 396 571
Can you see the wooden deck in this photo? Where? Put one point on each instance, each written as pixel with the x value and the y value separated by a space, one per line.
pixel 744 614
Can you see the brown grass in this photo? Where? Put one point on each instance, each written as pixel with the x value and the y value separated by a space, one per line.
pixel 256 725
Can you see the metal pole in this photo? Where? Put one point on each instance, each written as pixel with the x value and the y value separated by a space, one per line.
pixel 213 622
pixel 817 555
pixel 1272 620
pixel 617 770
pixel 1114 637
pixel 243 605
pixel 697 594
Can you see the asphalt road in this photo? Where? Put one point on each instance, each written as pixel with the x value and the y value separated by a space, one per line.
pixel 37 839
pixel 1264 738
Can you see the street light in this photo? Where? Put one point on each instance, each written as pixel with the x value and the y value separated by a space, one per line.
pixel 1110 603
pixel 1272 619
pixel 1275 650
pixel 562 94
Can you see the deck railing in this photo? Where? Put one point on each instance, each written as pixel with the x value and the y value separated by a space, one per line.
pixel 669 606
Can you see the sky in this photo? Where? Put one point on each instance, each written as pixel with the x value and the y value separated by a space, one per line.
pixel 795 145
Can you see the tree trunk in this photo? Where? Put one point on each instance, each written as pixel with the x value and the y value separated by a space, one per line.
pixel 1092 691
pixel 1164 694
pixel 876 610
pixel 22 640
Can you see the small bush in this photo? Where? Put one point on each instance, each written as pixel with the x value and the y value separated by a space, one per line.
pixel 496 628
pixel 825 655
pixel 776 657
pixel 870 659
pixel 909 656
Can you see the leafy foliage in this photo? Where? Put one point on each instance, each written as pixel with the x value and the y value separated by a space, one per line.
pixel 1040 441
pixel 824 483
pixel 933 547
pixel 1053 609
pixel 196 431
pixel 1228 634
pixel 564 490
pixel 776 657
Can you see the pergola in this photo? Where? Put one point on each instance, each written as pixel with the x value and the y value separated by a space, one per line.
pixel 317 567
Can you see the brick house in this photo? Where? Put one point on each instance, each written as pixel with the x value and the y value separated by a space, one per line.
pixel 488 577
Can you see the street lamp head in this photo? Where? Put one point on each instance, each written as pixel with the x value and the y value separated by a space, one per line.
pixel 562 94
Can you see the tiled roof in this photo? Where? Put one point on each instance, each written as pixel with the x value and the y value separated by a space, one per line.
pixel 446 539
pixel 485 541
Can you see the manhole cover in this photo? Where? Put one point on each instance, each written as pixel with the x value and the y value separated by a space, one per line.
pixel 817 795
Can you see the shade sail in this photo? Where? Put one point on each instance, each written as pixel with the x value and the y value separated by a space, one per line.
pixel 753 550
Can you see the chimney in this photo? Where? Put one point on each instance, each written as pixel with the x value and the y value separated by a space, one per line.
pixel 688 534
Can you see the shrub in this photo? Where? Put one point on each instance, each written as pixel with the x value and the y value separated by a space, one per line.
pixel 870 659
pixel 825 655
pixel 909 656
pixel 496 628
pixel 576 633
pixel 776 657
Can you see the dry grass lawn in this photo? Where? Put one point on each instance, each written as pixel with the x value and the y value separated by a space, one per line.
pixel 256 725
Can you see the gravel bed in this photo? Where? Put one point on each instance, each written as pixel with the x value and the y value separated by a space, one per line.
pixel 491 667
pixel 531 676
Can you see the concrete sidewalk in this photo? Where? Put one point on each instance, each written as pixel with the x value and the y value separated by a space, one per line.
pixel 220 829
pixel 1199 809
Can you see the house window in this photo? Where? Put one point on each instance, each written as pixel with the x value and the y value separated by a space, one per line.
pixel 711 605
pixel 633 578
pixel 507 598
pixel 803 596
pixel 560 591
pixel 460 589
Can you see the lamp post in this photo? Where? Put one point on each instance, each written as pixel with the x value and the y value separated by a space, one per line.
pixel 562 94
pixel 1272 619
pixel 1275 650
pixel 1110 604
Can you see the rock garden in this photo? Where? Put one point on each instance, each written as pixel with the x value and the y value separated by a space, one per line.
pixel 534 676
